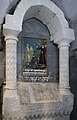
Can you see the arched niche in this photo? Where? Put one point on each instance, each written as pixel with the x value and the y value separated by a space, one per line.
pixel 35 29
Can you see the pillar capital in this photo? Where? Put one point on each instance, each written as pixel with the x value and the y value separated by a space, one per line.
pixel 11 38
pixel 64 43
pixel 11 31
pixel 64 36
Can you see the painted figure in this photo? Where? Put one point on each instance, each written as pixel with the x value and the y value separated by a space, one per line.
pixel 29 54
pixel 42 59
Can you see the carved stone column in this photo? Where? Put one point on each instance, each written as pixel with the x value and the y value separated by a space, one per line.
pixel 11 62
pixel 64 68
pixel 11 100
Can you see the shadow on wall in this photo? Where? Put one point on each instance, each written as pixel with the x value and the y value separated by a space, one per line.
pixel 73 81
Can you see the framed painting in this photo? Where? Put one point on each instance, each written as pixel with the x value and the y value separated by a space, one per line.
pixel 34 56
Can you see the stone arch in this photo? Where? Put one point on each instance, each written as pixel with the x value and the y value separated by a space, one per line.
pixel 54 19
pixel 33 28
pixel 46 11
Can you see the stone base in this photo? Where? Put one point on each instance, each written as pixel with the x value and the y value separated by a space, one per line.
pixel 41 101
pixel 11 102
pixel 64 91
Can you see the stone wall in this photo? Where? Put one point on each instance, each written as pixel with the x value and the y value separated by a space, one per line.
pixel 2 64
pixel 73 80
pixel 2 56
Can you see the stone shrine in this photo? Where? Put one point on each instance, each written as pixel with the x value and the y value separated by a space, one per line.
pixel 38 98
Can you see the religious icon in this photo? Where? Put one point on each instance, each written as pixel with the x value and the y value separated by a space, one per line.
pixel 34 52
pixel 29 54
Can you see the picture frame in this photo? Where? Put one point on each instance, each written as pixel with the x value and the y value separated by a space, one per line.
pixel 34 57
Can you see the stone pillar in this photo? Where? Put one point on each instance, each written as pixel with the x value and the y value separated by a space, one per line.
pixel 64 68
pixel 11 62
pixel 11 101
